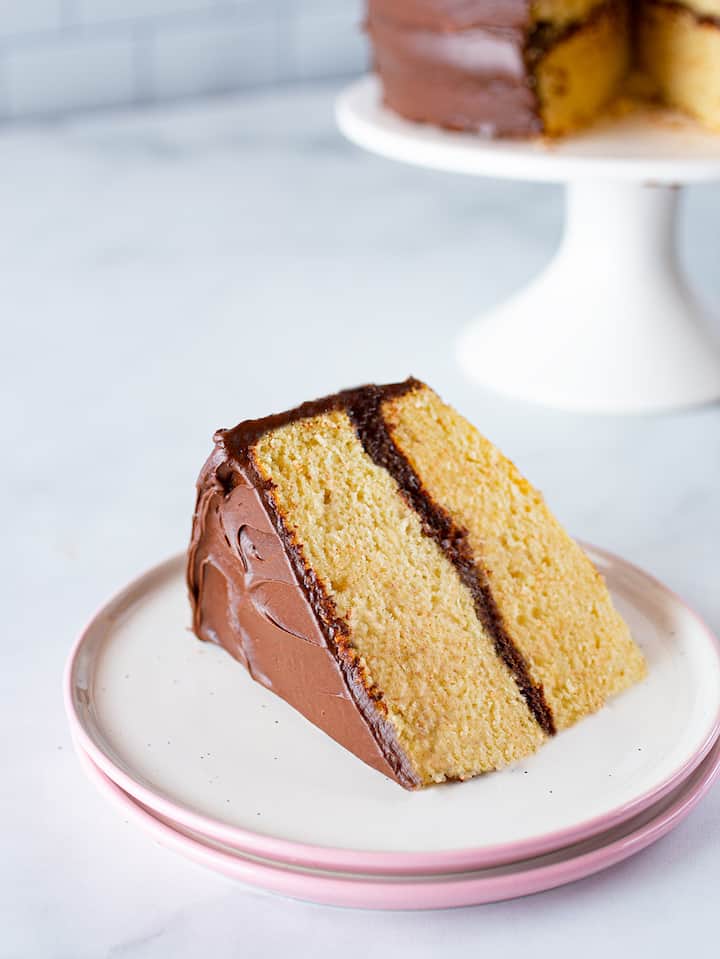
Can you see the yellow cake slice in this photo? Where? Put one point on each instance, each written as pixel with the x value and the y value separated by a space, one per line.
pixel 582 61
pixel 679 49
pixel 379 564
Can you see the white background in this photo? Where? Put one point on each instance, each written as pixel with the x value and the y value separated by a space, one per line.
pixel 166 273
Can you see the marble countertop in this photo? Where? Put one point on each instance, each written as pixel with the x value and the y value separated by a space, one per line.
pixel 165 273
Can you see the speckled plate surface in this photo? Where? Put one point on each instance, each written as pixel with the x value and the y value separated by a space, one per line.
pixel 433 891
pixel 180 726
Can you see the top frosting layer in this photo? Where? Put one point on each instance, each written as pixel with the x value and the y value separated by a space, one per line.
pixel 453 14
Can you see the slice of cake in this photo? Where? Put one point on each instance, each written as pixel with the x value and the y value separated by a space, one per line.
pixel 375 561
pixel 511 68
pixel 679 49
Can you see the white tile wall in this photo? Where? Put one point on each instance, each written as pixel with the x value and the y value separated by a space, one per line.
pixel 70 73
pixel 221 55
pixel 327 38
pixel 61 55
pixel 104 11
pixel 18 17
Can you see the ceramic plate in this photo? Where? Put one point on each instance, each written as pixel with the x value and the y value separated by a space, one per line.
pixel 431 891
pixel 181 727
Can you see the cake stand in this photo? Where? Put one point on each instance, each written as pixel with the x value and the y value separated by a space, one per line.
pixel 610 325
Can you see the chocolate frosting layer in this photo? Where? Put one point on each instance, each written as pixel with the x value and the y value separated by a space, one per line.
pixel 247 597
pixel 476 78
pixel 376 437
pixel 452 14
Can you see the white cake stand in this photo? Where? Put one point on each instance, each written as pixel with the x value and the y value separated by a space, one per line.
pixel 610 325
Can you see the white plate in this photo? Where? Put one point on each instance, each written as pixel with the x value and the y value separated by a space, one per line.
pixel 182 727
pixel 432 891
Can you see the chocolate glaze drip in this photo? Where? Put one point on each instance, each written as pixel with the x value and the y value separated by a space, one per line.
pixel 366 415
pixel 253 593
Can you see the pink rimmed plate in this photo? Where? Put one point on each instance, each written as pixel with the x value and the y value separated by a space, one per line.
pixel 434 891
pixel 181 727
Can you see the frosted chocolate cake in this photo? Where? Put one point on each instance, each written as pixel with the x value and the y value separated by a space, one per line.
pixel 524 67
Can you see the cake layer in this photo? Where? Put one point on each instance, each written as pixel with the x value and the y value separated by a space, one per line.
pixel 703 8
pixel 425 656
pixel 680 50
pixel 577 75
pixel 561 13
pixel 547 593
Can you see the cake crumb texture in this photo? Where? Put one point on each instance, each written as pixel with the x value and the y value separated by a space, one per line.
pixel 456 709
pixel 680 51
pixel 553 602
pixel 561 13
pixel 581 74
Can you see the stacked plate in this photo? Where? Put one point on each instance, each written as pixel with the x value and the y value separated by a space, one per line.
pixel 181 741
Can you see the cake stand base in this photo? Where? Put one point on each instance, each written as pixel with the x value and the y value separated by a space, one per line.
pixel 610 325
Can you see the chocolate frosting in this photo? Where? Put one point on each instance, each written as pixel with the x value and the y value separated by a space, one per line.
pixel 461 75
pixel 252 595
pixel 453 14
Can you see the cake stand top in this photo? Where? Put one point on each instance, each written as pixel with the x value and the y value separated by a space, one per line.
pixel 641 145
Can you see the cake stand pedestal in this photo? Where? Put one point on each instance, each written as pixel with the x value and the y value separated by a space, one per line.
pixel 610 325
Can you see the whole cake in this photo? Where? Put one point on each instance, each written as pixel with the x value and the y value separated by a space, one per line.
pixel 376 562
pixel 523 67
